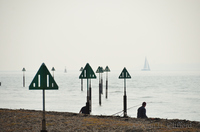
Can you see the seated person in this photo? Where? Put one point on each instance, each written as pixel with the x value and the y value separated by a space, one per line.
pixel 141 113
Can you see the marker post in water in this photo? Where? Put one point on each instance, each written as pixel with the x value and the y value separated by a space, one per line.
pixel 107 70
pixel 23 76
pixel 81 80
pixel 88 74
pixel 53 69
pixel 125 75
pixel 43 81
pixel 100 71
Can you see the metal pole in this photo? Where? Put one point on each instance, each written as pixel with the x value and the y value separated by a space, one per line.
pixel 124 86
pixel 99 93
pixel 87 103
pixel 106 85
pixel 101 84
pixel 81 84
pixel 43 120
pixel 90 97
pixel 125 99
pixel 23 79
pixel 99 89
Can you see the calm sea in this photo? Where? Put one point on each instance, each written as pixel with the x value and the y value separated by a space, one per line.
pixel 169 94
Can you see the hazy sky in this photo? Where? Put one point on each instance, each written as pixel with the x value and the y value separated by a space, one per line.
pixel 117 33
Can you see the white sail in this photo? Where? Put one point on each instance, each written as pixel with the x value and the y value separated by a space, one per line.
pixel 65 70
pixel 146 65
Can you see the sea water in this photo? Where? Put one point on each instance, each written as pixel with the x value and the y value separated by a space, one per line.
pixel 168 94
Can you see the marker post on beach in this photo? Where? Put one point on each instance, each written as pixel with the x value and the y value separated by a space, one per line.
pixel 81 80
pixel 88 74
pixel 107 70
pixel 100 71
pixel 90 96
pixel 43 81
pixel 124 74
pixel 23 76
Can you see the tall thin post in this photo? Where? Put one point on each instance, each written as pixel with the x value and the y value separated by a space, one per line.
pixel 42 81
pixel 99 88
pixel 124 74
pixel 101 83
pixel 125 99
pixel 23 79
pixel 81 80
pixel 87 104
pixel 107 70
pixel 106 85
pixel 23 76
pixel 88 73
pixel 90 97
pixel 43 120
pixel 81 84
pixel 100 71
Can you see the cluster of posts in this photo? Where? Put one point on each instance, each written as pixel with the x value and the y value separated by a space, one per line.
pixel 43 80
pixel 88 73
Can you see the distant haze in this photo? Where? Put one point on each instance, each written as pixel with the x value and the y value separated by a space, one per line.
pixel 117 33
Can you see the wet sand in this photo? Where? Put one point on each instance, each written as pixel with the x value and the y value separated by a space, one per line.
pixel 31 121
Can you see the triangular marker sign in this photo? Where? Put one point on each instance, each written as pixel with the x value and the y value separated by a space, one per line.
pixel 81 69
pixel 124 74
pixel 99 70
pixel 87 73
pixel 107 69
pixel 43 80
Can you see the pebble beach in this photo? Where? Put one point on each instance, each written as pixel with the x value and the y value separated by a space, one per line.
pixel 21 120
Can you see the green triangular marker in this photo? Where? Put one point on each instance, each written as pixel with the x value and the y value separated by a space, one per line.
pixel 87 73
pixel 81 69
pixel 99 70
pixel 23 69
pixel 124 74
pixel 53 69
pixel 43 80
pixel 107 69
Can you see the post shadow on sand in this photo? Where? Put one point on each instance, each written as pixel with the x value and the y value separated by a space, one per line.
pixel 43 81
pixel 88 74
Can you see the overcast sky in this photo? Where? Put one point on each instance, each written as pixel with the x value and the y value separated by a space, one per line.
pixel 117 33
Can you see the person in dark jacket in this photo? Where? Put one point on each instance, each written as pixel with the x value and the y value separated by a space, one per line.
pixel 141 113
pixel 84 110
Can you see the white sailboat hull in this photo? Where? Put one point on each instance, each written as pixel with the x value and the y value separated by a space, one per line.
pixel 145 69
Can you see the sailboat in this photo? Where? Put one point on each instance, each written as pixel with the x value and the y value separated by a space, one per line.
pixel 65 70
pixel 146 65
